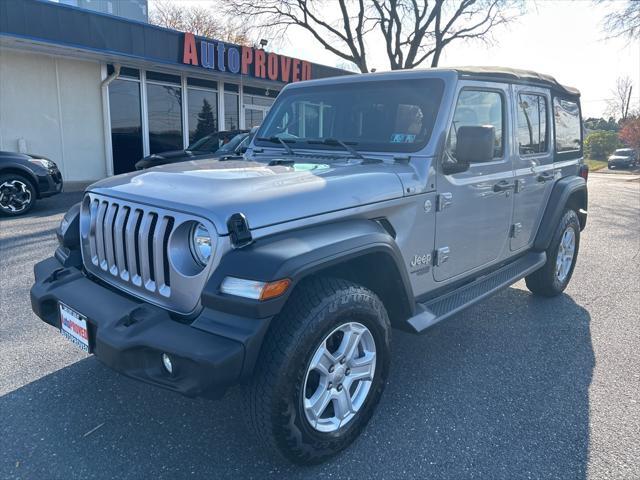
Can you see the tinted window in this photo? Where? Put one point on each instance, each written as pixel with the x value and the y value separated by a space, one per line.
pixel 231 114
pixel 126 125
pixel 532 124
pixel 164 105
pixel 566 117
pixel 203 113
pixel 477 108
pixel 395 115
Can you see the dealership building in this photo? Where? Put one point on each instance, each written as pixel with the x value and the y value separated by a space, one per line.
pixel 93 86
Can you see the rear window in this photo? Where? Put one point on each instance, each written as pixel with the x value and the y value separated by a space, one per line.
pixel 391 115
pixel 567 123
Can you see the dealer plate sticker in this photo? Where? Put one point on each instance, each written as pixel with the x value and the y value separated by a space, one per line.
pixel 74 327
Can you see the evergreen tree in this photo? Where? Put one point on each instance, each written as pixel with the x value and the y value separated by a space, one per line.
pixel 206 121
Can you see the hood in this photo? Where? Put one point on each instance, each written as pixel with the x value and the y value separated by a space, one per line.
pixel 265 194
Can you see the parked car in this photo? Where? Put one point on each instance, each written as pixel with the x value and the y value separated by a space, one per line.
pixel 25 178
pixel 206 147
pixel 623 157
pixel 368 202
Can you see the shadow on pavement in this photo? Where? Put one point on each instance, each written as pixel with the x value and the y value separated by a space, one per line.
pixel 500 391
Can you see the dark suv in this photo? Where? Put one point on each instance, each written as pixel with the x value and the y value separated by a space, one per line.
pixel 25 178
pixel 623 157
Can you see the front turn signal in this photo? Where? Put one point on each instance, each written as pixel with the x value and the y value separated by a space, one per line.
pixel 275 289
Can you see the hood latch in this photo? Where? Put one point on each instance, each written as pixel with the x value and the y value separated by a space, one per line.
pixel 239 230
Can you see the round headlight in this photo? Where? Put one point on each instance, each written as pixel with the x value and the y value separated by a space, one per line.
pixel 201 244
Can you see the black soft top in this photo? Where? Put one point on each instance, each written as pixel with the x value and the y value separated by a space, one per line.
pixel 514 75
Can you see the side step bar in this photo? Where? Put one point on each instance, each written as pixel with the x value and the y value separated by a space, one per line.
pixel 440 308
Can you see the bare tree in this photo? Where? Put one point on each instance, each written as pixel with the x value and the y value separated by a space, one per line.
pixel 618 105
pixel 198 20
pixel 623 22
pixel 413 31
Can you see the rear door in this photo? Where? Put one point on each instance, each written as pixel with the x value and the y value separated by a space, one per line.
pixel 533 162
pixel 474 207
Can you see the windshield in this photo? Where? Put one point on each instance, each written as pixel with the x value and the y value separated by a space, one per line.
pixel 210 143
pixel 231 145
pixel 623 152
pixel 387 116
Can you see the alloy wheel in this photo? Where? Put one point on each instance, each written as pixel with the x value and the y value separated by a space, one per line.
pixel 15 196
pixel 566 251
pixel 339 377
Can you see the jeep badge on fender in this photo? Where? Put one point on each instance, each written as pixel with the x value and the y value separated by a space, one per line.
pixel 286 270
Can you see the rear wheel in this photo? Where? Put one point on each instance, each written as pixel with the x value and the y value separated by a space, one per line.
pixel 554 276
pixel 322 370
pixel 17 195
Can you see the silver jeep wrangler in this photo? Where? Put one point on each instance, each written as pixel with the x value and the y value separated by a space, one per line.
pixel 364 203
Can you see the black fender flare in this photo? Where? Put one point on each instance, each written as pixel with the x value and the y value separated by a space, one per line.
pixel 566 191
pixel 295 255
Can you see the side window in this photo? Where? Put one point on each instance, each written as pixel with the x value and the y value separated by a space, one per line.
pixel 532 124
pixel 478 107
pixel 566 119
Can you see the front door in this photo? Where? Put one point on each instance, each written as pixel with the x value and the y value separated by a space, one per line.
pixel 533 163
pixel 475 206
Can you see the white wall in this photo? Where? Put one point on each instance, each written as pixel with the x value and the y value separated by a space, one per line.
pixel 55 105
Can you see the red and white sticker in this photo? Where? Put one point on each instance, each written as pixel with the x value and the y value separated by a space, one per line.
pixel 74 327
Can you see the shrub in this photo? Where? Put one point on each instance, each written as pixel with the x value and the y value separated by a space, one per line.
pixel 601 144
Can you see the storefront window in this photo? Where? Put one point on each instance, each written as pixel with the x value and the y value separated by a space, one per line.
pixel 164 106
pixel 203 113
pixel 231 113
pixel 126 125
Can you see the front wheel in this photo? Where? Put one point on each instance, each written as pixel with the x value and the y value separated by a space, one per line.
pixel 554 276
pixel 17 195
pixel 322 370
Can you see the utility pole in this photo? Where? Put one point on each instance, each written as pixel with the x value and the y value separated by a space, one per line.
pixel 626 109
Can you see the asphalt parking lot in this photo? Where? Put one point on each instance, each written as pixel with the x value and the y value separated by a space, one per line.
pixel 516 387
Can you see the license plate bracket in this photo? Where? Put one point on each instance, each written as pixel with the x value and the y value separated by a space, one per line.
pixel 74 327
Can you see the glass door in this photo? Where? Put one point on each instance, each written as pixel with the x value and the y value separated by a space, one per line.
pixel 254 115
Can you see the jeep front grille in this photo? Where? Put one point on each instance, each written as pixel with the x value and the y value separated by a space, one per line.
pixel 128 245
pixel 131 243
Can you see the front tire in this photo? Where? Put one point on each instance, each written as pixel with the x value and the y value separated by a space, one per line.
pixel 17 195
pixel 554 276
pixel 321 371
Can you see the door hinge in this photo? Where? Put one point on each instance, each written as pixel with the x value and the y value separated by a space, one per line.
pixel 444 200
pixel 516 229
pixel 440 256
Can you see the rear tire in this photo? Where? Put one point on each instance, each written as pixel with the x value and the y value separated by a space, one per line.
pixel 282 392
pixel 17 195
pixel 554 276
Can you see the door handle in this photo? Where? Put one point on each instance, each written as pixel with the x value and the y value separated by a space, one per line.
pixel 503 186
pixel 545 177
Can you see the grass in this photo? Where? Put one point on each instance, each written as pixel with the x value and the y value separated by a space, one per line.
pixel 595 165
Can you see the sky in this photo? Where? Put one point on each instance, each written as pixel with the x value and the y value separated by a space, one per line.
pixel 563 38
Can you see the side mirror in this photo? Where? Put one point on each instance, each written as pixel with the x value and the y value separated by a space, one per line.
pixel 475 144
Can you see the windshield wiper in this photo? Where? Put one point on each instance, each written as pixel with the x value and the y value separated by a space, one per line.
pixel 280 140
pixel 345 145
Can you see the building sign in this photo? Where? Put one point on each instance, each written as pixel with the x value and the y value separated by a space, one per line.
pixel 243 60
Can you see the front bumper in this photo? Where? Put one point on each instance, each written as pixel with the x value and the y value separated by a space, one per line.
pixel 50 183
pixel 130 336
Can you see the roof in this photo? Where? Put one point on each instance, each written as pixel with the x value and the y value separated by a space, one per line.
pixel 527 77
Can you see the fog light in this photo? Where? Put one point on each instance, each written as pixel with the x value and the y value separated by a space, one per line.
pixel 166 361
